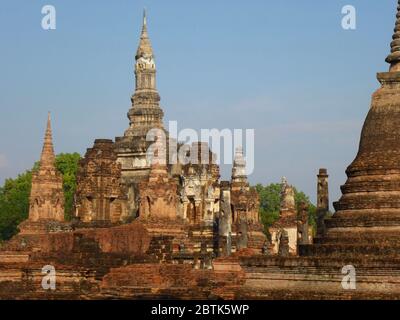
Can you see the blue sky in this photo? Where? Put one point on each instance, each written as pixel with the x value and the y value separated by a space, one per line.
pixel 285 68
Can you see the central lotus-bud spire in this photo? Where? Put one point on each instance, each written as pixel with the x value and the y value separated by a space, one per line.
pixel 394 57
pixel 144 51
pixel 145 113
pixel 145 67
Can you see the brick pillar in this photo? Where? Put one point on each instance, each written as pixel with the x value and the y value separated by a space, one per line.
pixel 322 200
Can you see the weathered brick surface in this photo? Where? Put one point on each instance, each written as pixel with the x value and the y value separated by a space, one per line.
pixel 192 218
pixel 100 195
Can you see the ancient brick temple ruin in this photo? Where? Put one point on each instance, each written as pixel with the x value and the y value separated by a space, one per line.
pixel 46 201
pixel 286 225
pixel 151 229
pixel 100 194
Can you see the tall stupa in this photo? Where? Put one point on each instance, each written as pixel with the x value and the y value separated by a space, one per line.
pixel 144 116
pixel 368 213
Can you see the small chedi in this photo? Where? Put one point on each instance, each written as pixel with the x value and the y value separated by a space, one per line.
pixel 293 223
pixel 144 228
pixel 46 201
pixel 286 227
pixel 245 205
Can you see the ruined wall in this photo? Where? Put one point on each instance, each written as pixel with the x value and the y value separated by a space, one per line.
pixel 100 195
pixel 158 195
pixel 199 190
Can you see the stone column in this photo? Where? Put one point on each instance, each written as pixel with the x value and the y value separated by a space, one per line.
pixel 322 201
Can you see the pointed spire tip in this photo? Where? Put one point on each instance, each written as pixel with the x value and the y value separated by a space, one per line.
pixel 48 156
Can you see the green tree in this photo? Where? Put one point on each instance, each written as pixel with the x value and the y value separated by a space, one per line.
pixel 14 194
pixel 270 203
pixel 67 164
pixel 14 203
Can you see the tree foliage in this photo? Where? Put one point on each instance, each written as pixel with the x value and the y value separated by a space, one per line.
pixel 67 164
pixel 14 203
pixel 14 194
pixel 270 203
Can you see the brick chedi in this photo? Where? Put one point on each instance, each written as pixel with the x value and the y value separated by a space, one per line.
pixel 245 200
pixel 288 220
pixel 100 195
pixel 245 203
pixel 46 201
pixel 369 209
